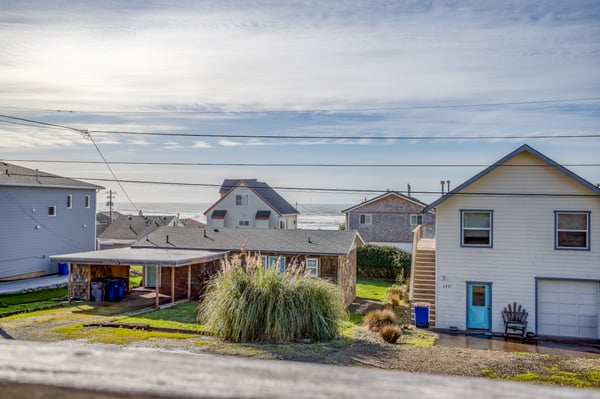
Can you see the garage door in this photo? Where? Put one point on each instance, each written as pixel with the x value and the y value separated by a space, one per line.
pixel 568 308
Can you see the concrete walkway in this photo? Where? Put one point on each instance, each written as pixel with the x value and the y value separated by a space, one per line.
pixel 29 284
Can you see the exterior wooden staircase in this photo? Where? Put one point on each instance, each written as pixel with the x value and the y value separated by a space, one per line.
pixel 422 279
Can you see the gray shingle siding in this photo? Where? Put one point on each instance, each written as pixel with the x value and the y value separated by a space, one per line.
pixel 25 249
pixel 390 220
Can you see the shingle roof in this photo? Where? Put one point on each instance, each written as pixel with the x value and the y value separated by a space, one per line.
pixel 263 214
pixel 133 227
pixel 14 175
pixel 219 213
pixel 520 150
pixel 270 196
pixel 189 222
pixel 390 193
pixel 317 242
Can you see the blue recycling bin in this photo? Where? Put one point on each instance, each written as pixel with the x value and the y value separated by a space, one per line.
pixel 422 315
pixel 111 289
pixel 63 269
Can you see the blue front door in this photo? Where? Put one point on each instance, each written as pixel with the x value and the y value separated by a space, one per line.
pixel 478 306
pixel 150 276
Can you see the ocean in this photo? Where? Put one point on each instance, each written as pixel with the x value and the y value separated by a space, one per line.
pixel 312 216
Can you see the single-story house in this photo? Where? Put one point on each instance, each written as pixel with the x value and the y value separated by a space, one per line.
pixel 326 254
pixel 126 230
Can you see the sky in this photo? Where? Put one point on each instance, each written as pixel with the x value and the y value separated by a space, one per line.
pixel 429 71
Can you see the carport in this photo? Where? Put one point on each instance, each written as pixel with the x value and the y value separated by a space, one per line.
pixel 180 273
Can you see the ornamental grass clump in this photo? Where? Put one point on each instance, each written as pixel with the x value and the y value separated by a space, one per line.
pixel 391 333
pixel 377 319
pixel 258 304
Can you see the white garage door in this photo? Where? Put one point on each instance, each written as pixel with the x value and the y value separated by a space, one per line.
pixel 568 308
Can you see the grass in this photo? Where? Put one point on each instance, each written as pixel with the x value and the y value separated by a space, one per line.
pixel 136 281
pixel 251 304
pixel 373 289
pixel 10 303
pixel 181 317
pixel 114 336
pixel 417 338
pixel 551 376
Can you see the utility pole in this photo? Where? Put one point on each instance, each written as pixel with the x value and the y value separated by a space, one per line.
pixel 110 195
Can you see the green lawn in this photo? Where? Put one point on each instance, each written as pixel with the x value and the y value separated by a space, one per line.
pixel 10 303
pixel 182 316
pixel 372 289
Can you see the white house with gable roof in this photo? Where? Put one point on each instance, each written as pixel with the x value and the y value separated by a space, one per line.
pixel 524 230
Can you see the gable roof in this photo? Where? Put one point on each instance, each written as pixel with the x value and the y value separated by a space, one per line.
pixel 322 242
pixel 14 175
pixel 389 193
pixel 494 166
pixel 262 190
pixel 133 227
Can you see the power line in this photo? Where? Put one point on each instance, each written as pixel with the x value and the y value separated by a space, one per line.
pixel 330 137
pixel 304 137
pixel 303 165
pixel 321 110
pixel 331 190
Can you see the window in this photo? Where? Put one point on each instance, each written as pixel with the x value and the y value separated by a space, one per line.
pixel 244 223
pixel 365 218
pixel 416 220
pixel 312 266
pixel 275 260
pixel 282 224
pixel 476 228
pixel 87 201
pixel 69 201
pixel 52 210
pixel 572 230
pixel 241 199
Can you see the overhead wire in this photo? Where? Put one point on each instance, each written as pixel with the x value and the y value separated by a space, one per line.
pixel 318 110
pixel 329 189
pixel 302 165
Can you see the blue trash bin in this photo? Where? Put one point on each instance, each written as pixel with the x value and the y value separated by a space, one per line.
pixel 63 269
pixel 422 315
pixel 111 289
pixel 123 283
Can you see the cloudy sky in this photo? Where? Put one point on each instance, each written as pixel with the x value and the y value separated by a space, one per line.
pixel 362 70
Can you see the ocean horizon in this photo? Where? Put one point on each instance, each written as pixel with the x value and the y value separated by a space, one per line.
pixel 311 217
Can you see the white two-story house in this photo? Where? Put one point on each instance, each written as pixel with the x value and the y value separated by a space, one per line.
pixel 524 230
pixel 248 203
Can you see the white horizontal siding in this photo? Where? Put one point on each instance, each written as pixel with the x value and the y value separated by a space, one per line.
pixel 523 241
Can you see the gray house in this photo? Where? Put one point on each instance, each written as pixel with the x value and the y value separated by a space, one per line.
pixel 42 215
pixel 127 229
pixel 390 217
pixel 249 203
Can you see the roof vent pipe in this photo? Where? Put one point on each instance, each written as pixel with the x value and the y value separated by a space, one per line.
pixel 309 241
pixel 205 236
pixel 408 190
pixel 442 183
pixel 37 176
pixel 448 185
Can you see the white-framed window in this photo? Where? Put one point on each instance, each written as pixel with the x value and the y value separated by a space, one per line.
pixel 312 266
pixel 69 201
pixel 476 228
pixel 365 218
pixel 244 223
pixel 241 199
pixel 86 201
pixel 416 219
pixel 572 230
pixel 52 210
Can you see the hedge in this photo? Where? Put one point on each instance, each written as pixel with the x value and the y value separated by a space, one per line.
pixel 377 261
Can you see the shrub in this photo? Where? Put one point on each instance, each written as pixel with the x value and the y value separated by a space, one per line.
pixel 391 333
pixel 395 294
pixel 254 304
pixel 377 319
pixel 386 262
